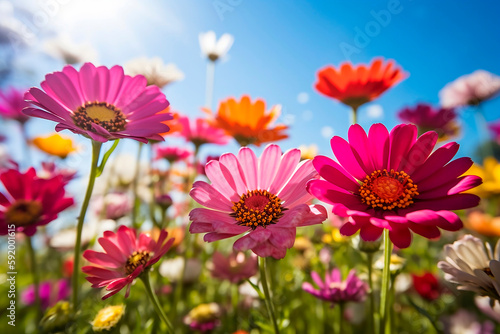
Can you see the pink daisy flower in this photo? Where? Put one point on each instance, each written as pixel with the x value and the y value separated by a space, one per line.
pixel 11 105
pixel 171 154
pixel 427 118
pixel 125 258
pixel 200 132
pixel 100 103
pixel 264 199
pixel 392 181
pixel 30 201
pixel 336 291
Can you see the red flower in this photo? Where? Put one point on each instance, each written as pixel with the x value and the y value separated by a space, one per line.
pixel 427 286
pixel 357 85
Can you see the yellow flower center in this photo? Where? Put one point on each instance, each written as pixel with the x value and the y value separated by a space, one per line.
pixel 23 212
pixel 204 313
pixel 257 208
pixel 388 190
pixel 135 260
pixel 108 317
pixel 101 113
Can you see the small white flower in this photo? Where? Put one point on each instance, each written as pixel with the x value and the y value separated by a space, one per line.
pixel 213 48
pixel 156 72
pixel 473 266
pixel 64 48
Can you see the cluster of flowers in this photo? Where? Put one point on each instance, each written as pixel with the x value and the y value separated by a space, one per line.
pixel 382 182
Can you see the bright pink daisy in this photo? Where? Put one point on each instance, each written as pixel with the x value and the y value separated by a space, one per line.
pixel 125 258
pixel 392 181
pixel 263 198
pixel 100 103
pixel 335 290
pixel 171 154
pixel 200 132
pixel 30 201
pixel 12 103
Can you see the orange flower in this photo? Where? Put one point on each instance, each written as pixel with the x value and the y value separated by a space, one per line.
pixel 248 122
pixel 173 124
pixel 55 144
pixel 355 86
pixel 483 224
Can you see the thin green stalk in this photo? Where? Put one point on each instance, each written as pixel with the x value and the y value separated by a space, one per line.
pixel 371 295
pixel 269 303
pixel 136 202
pixel 341 318
pixel 154 300
pixel 385 284
pixel 96 150
pixel 235 302
pixel 36 277
pixel 354 115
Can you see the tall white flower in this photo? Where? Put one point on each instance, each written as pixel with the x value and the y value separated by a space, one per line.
pixel 64 48
pixel 471 89
pixel 156 72
pixel 213 48
pixel 473 266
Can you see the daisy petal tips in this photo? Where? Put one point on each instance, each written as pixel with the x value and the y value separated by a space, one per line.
pixel 392 181
pixel 100 103
pixel 263 199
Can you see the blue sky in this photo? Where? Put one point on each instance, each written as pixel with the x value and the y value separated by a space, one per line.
pixel 279 45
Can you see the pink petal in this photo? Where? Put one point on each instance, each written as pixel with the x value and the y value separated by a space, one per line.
pixel 248 162
pixel 335 173
pixel 206 195
pixel 288 163
pixel 379 145
pixel 346 158
pixel 419 153
pixel 402 138
pixel 268 165
pixel 436 161
pixel 359 143
pixel 219 181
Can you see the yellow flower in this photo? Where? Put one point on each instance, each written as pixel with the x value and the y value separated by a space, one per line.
pixel 308 152
pixel 334 236
pixel 55 144
pixel 490 173
pixel 108 317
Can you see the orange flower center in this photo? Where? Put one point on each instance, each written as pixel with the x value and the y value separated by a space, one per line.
pixel 257 208
pixel 23 212
pixel 388 190
pixel 135 260
pixel 100 113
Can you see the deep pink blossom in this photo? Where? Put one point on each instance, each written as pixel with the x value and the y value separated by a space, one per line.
pixel 125 257
pixel 171 154
pixel 335 290
pixel 50 292
pixel 200 131
pixel 427 118
pixel 392 181
pixel 30 201
pixel 100 103
pixel 12 104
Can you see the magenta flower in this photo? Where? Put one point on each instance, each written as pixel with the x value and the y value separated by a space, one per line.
pixel 30 201
pixel 392 181
pixel 50 293
pixel 471 89
pixel 236 267
pixel 336 291
pixel 495 129
pixel 171 154
pixel 264 198
pixel 427 118
pixel 125 258
pixel 100 103
pixel 200 132
pixel 11 105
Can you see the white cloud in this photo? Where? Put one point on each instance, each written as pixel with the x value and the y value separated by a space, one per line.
pixel 375 111
pixel 303 98
pixel 327 132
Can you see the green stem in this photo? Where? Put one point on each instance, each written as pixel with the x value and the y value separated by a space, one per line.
pixel 152 296
pixel 96 150
pixel 371 294
pixel 385 284
pixel 36 277
pixel 341 318
pixel 354 115
pixel 269 303
pixel 136 202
